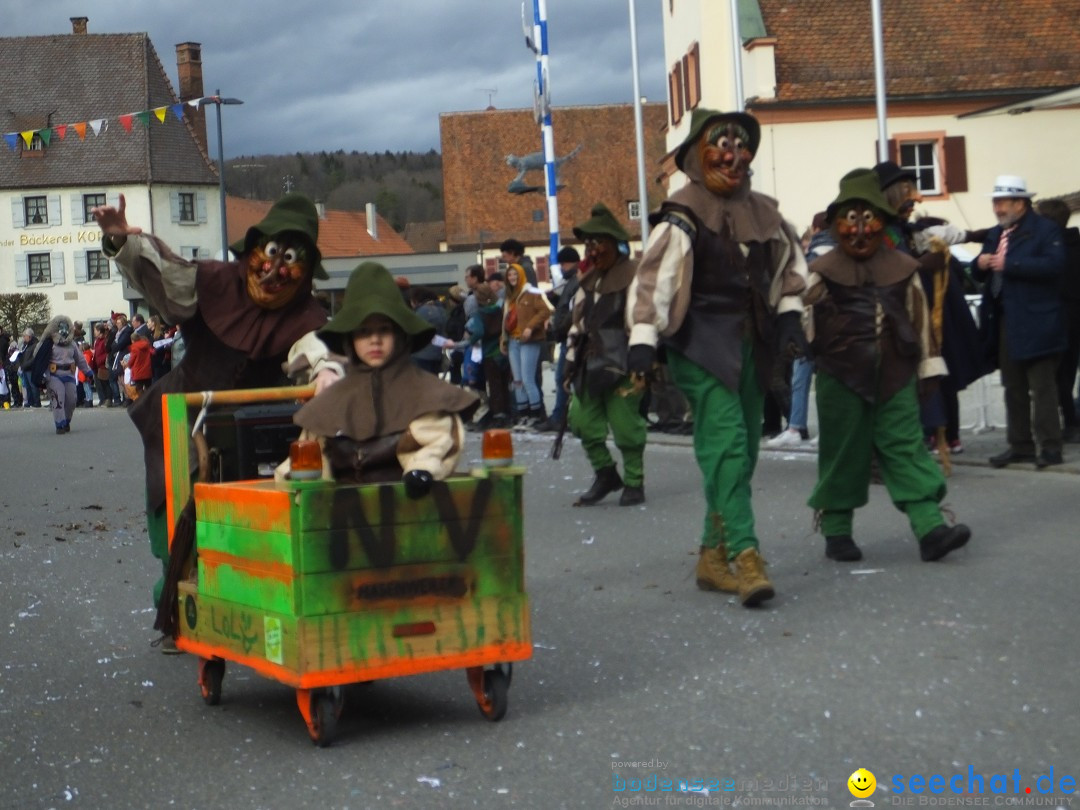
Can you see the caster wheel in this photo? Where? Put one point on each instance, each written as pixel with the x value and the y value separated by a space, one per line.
pixel 211 673
pixel 324 709
pixel 495 685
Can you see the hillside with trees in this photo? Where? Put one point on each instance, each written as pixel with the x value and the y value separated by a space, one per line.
pixel 405 186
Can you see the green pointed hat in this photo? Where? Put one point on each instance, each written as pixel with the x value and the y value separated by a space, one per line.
pixel 371 291
pixel 860 184
pixel 702 118
pixel 293 212
pixel 601 223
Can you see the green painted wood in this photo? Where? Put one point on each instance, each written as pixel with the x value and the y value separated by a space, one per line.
pixel 269 547
pixel 241 629
pixel 248 586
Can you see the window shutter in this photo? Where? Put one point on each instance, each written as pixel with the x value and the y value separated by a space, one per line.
pixel 18 212
pixel 54 210
pixel 542 273
pixel 77 211
pixel 113 199
pixel 200 208
pixel 56 261
pixel 956 180
pixel 80 267
pixel 174 206
pixel 22 272
pixel 892 150
pixel 204 253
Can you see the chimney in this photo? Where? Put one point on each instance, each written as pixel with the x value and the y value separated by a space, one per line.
pixel 320 209
pixel 189 72
pixel 78 25
pixel 372 223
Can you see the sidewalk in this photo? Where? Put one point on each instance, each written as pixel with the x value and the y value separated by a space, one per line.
pixel 982 431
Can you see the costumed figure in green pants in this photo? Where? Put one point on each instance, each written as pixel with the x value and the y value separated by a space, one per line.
pixel 604 394
pixel 871 340
pixel 719 289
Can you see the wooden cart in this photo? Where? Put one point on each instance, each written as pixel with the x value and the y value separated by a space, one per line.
pixel 318 585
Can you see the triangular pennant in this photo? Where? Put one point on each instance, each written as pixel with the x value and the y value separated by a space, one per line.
pixel 46 136
pixel 12 139
pixel 178 111
pixel 195 102
pixel 159 114
pixel 126 121
pixel 80 128
pixel 100 125
pixel 60 130
pixel 28 136
pixel 144 116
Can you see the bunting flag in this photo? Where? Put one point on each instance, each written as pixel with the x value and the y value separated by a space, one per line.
pixel 99 126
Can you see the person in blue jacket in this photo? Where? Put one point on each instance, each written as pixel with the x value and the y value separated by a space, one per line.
pixel 1022 321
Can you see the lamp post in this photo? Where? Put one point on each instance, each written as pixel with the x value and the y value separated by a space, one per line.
pixel 218 101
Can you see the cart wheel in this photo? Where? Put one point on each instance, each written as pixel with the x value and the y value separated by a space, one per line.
pixel 211 673
pixel 324 709
pixel 496 683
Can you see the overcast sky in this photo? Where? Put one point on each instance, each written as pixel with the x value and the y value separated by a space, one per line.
pixel 371 75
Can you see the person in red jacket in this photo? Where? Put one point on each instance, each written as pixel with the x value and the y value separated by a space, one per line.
pixel 142 372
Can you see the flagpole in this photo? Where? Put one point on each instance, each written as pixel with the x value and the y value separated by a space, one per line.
pixel 879 81
pixel 543 94
pixel 639 138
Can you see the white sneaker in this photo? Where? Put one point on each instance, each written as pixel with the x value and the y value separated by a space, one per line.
pixel 789 438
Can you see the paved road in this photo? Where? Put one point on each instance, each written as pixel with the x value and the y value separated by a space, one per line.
pixel 893 665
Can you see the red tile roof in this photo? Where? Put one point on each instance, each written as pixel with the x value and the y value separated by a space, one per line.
pixel 476 204
pixel 342 234
pixel 933 48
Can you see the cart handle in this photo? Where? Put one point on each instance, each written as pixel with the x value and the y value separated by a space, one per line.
pixel 250 395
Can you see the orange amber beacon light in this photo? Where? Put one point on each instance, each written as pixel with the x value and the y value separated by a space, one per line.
pixel 498 448
pixel 305 460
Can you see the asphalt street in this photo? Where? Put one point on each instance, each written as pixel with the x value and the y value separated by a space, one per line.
pixel 952 669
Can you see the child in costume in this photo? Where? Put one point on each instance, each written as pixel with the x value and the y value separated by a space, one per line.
pixel 870 338
pixel 605 398
pixel 56 366
pixel 387 420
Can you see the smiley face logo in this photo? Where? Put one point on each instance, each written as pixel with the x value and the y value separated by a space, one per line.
pixel 862 783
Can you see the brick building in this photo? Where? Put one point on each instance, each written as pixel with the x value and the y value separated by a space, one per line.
pixel 598 143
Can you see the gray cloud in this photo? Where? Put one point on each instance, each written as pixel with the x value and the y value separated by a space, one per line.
pixel 372 76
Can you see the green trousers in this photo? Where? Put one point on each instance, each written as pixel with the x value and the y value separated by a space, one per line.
pixel 590 417
pixel 727 434
pixel 852 431
pixel 157 528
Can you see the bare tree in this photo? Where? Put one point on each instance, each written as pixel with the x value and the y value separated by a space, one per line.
pixel 20 310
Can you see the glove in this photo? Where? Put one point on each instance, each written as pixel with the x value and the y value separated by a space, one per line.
pixel 790 337
pixel 977 236
pixel 640 358
pixel 417 483
pixel 343 454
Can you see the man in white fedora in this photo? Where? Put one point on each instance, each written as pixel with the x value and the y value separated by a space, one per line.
pixel 1022 322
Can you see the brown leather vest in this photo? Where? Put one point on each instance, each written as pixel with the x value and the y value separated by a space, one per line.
pixel 729 296
pixel 847 346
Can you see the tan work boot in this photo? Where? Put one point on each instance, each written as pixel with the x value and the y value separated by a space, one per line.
pixel 713 572
pixel 754 586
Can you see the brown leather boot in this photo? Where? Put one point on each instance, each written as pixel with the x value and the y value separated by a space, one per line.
pixel 754 586
pixel 713 572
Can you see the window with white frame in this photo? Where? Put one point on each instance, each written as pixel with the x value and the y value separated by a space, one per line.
pixel 921 158
pixel 40 268
pixel 90 202
pixel 97 266
pixel 36 210
pixel 633 209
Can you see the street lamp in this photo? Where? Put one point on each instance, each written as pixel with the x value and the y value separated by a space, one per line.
pixel 218 101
